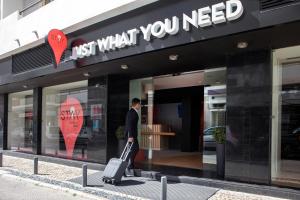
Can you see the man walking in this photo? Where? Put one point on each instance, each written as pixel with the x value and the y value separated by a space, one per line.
pixel 131 130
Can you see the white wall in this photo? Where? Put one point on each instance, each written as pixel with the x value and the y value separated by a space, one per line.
pixel 66 15
pixel 1 9
pixel 10 6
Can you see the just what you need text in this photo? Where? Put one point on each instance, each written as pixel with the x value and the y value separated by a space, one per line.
pixel 223 12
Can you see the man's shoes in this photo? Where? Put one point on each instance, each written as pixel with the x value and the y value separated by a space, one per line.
pixel 129 172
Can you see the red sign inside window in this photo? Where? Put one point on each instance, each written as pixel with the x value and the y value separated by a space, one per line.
pixel 58 42
pixel 70 122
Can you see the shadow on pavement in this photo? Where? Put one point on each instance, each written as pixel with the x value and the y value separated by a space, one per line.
pixel 130 182
pixel 95 185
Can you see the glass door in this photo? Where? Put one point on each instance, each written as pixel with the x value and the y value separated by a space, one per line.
pixel 286 118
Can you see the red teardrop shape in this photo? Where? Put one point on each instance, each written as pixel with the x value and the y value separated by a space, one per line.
pixel 58 42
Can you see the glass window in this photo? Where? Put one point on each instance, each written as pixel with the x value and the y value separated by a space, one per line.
pixel 1 133
pixel 74 121
pixel 1 119
pixel 20 121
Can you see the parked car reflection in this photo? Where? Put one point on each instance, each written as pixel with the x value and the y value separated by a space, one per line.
pixel 209 140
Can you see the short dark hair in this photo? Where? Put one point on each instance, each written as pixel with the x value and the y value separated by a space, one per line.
pixel 135 101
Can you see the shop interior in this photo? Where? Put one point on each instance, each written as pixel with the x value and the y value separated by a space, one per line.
pixel 178 117
pixel 20 113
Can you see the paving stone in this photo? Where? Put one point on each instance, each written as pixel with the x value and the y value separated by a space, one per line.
pixel 148 188
pixel 230 195
pixel 47 169
pixel 135 188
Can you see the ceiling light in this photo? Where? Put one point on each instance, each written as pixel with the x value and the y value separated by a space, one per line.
pixel 18 42
pixel 25 86
pixel 242 45
pixel 173 57
pixel 86 74
pixel 97 85
pixel 124 67
pixel 36 34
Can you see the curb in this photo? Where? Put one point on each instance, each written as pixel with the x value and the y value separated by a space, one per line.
pixel 47 185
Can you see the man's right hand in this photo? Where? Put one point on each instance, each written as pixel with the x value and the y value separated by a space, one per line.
pixel 130 139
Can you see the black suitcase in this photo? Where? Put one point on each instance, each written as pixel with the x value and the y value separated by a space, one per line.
pixel 116 167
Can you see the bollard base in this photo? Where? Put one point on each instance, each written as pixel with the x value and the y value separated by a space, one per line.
pixel 1 159
pixel 84 175
pixel 35 165
pixel 163 188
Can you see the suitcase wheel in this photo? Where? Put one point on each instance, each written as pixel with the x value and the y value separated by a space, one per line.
pixel 113 182
pixel 104 180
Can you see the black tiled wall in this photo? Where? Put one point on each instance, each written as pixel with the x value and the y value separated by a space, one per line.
pixel 97 94
pixel 118 105
pixel 249 106
pixel 3 122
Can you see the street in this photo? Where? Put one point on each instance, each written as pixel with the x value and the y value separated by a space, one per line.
pixel 14 188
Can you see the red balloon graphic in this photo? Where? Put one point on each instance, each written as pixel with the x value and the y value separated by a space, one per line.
pixel 70 120
pixel 58 42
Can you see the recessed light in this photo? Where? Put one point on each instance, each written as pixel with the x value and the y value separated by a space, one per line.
pixel 173 57
pixel 242 45
pixel 36 34
pixel 25 86
pixel 124 67
pixel 86 74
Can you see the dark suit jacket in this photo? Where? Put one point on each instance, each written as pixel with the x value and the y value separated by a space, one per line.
pixel 132 119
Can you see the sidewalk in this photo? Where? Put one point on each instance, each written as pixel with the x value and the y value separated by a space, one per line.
pixel 34 190
pixel 131 187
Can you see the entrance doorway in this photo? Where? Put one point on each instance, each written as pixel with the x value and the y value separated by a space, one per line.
pixel 179 115
pixel 286 117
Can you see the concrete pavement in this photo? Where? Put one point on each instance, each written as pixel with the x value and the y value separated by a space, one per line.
pixel 16 188
pixel 67 178
pixel 150 189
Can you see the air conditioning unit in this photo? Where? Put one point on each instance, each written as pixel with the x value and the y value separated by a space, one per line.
pixel 216 97
pixel 217 102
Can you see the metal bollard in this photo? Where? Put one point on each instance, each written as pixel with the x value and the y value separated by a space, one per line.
pixel 163 188
pixel 35 165
pixel 84 175
pixel 1 159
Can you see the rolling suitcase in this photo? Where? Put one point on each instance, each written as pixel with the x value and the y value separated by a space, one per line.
pixel 116 167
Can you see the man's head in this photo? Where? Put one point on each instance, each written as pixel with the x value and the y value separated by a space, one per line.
pixel 136 103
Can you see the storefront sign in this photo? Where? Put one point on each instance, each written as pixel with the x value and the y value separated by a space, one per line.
pixel 201 18
pixel 58 42
pixel 70 122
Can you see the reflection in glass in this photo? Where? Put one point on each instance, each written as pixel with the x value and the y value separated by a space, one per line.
pixel 1 133
pixel 20 121
pixel 214 118
pixel 286 147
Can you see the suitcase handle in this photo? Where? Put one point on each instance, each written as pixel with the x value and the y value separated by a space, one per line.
pixel 126 151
